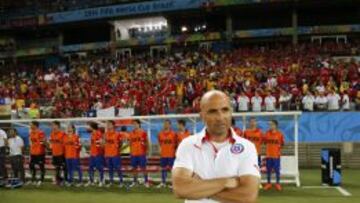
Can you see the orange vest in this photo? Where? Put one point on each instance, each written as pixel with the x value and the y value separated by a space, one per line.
pixel 138 143
pixel 167 141
pixel 256 137
pixel 112 143
pixel 96 148
pixel 37 142
pixel 72 146
pixel 274 141
pixel 57 143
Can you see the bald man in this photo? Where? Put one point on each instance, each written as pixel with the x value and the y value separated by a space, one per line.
pixel 216 165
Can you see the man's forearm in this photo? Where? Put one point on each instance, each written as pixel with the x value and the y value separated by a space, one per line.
pixel 245 193
pixel 232 196
pixel 198 189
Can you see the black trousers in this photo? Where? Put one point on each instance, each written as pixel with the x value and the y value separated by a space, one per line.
pixel 40 161
pixel 17 166
pixel 3 171
pixel 60 166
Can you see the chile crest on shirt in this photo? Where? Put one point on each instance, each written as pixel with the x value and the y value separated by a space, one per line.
pixel 237 148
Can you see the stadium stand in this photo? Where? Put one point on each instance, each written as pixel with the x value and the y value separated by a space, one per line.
pixel 174 84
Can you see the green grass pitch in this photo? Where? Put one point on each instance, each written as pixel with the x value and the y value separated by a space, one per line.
pixel 53 194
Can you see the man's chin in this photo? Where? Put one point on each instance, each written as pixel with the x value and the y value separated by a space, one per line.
pixel 219 133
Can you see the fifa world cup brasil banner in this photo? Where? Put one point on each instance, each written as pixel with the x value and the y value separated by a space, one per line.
pixel 123 10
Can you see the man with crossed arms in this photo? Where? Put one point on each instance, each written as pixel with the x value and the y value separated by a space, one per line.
pixel 216 165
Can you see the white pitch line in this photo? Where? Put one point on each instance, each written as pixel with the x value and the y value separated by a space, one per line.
pixel 315 187
pixel 338 188
pixel 343 191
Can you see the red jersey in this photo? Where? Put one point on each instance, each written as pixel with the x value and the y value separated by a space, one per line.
pixel 256 137
pixel 138 142
pixel 72 146
pixel 274 141
pixel 57 143
pixel 96 148
pixel 37 142
pixel 167 141
pixel 112 143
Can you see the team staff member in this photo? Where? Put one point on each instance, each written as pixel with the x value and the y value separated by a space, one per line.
pixel 37 152
pixel 57 148
pixel 216 165
pixel 16 146
pixel 167 142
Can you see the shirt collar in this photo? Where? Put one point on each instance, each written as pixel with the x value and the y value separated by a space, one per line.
pixel 203 137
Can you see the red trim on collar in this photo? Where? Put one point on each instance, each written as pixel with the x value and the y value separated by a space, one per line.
pixel 229 137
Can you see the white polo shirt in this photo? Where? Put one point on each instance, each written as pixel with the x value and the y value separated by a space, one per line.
pixel 15 145
pixel 3 137
pixel 321 100
pixel 237 158
pixel 333 101
pixel 346 102
pixel 256 103
pixel 270 102
pixel 243 102
pixel 308 102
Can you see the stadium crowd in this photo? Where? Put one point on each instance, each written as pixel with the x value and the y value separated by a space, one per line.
pixel 258 78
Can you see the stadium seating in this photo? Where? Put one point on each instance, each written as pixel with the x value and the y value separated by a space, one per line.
pixel 174 84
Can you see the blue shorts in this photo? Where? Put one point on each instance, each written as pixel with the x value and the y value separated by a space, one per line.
pixel 167 162
pixel 137 161
pixel 272 163
pixel 113 162
pixel 96 162
pixel 72 164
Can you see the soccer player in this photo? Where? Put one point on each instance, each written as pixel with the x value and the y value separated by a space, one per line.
pixel 254 134
pixel 72 155
pixel 138 148
pixel 96 155
pixel 237 130
pixel 57 149
pixel 274 140
pixel 182 131
pixel 37 152
pixel 167 142
pixel 113 143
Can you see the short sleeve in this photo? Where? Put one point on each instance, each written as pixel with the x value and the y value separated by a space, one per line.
pixel 3 134
pixel 249 163
pixel 184 158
